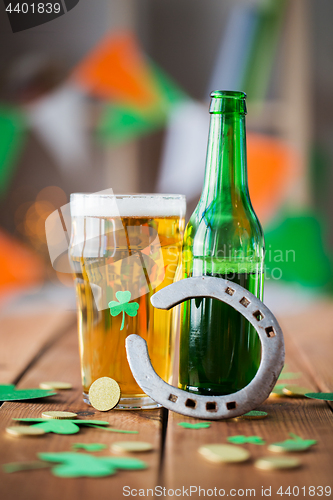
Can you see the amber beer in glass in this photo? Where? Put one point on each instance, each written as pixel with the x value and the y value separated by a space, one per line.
pixel 123 249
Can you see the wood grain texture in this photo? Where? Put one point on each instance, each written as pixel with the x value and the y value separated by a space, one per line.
pixel 306 418
pixel 310 339
pixel 62 363
pixel 23 337
pixel 55 356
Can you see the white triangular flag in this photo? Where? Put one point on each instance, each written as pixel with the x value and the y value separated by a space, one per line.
pixel 184 154
pixel 60 120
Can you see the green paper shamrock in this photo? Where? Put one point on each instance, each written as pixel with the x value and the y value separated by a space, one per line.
pixel 289 375
pixel 200 425
pixel 296 443
pixel 123 306
pixel 58 426
pixel 81 464
pixel 18 466
pixel 89 446
pixel 6 387
pixel 110 429
pixel 324 396
pixel 255 414
pixel 9 393
pixel 246 439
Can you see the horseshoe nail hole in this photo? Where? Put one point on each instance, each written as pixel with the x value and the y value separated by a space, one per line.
pixel 173 398
pixel 231 405
pixel 190 403
pixel 258 315
pixel 270 332
pixel 245 302
pixel 211 406
pixel 229 291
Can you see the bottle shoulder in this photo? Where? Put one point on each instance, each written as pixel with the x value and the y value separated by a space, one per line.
pixel 240 224
pixel 228 242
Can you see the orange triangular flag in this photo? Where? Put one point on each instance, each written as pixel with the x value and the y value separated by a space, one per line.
pixel 20 266
pixel 273 167
pixel 116 69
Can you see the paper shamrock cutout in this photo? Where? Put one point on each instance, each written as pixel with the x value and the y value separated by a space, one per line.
pixel 254 414
pixel 245 439
pixel 110 429
pixel 289 375
pixel 295 444
pixel 89 446
pixel 123 306
pixel 200 425
pixel 9 393
pixel 18 466
pixel 58 426
pixel 324 396
pixel 81 464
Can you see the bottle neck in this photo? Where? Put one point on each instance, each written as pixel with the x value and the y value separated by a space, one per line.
pixel 226 171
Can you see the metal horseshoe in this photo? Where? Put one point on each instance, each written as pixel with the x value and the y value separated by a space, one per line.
pixel 212 407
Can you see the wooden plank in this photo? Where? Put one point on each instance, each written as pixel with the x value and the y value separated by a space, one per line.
pixel 22 338
pixel 310 336
pixel 184 467
pixel 62 363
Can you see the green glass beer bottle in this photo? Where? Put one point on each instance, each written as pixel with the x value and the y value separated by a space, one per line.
pixel 219 349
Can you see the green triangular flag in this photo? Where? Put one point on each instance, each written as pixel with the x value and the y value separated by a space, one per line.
pixel 295 246
pixel 170 91
pixel 120 123
pixel 12 127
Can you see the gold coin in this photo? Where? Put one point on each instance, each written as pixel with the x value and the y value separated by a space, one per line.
pixel 295 391
pixel 224 453
pixel 127 446
pixel 277 393
pixel 61 415
pixel 24 430
pixel 55 385
pixel 275 463
pixel 104 394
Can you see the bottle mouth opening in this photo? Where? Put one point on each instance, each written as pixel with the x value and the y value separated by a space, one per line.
pixel 228 101
pixel 234 94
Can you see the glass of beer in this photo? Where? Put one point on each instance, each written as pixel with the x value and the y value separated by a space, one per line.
pixel 123 249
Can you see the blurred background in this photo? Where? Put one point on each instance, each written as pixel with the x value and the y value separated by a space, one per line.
pixel 114 94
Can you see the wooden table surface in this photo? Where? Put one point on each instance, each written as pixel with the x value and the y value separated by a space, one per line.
pixel 44 347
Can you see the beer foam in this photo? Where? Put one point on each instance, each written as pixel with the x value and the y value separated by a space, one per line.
pixel 108 205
